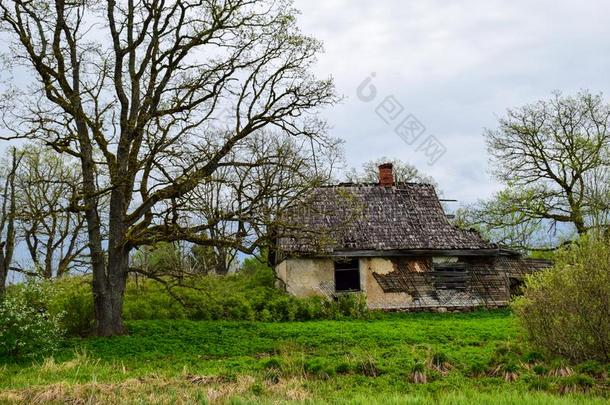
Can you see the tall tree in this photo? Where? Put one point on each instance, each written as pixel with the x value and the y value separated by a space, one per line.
pixel 7 217
pixel 554 157
pixel 152 97
pixel 54 235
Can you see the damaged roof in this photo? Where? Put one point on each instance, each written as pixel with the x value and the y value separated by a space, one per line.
pixel 345 217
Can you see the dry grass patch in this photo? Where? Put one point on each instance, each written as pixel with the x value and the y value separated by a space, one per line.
pixel 154 390
pixel 81 359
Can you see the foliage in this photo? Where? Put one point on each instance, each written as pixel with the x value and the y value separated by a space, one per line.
pixel 347 361
pixel 73 299
pixel 565 310
pixel 27 329
pixel 206 82
pixel 554 158
pixel 500 221
pixel 248 295
pixel 53 234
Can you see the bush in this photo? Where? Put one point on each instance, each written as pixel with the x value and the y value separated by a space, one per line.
pixel 575 384
pixel 249 295
pixel 71 297
pixel 592 368
pixel 27 329
pixel 565 310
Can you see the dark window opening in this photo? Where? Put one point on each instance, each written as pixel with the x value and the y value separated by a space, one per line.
pixel 516 286
pixel 347 275
pixel 451 276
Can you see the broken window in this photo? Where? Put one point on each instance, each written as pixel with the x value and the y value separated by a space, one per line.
pixel 347 275
pixel 516 286
pixel 452 276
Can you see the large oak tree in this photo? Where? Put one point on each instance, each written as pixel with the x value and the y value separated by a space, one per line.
pixel 152 96
pixel 554 158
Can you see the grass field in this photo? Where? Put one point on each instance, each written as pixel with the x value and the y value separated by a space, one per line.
pixel 465 358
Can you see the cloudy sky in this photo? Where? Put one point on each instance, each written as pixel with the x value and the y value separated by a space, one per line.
pixel 456 66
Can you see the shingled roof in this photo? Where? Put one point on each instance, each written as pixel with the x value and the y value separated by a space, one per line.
pixel 347 217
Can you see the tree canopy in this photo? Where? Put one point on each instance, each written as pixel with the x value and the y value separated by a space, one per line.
pixel 152 98
pixel 553 157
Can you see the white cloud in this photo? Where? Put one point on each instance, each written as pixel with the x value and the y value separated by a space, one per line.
pixel 457 66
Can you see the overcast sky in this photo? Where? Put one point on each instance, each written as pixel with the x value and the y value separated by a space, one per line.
pixel 456 66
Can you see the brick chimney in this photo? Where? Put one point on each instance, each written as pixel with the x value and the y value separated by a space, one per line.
pixel 386 175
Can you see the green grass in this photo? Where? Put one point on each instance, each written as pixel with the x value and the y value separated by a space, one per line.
pixel 466 358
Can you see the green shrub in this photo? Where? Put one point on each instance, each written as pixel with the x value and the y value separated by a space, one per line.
pixel 72 298
pixel 575 384
pixel 539 384
pixel 343 368
pixel 319 368
pixel 592 368
pixel 539 369
pixel 477 369
pixel 248 295
pixel 273 362
pixel 27 329
pixel 533 357
pixel 565 309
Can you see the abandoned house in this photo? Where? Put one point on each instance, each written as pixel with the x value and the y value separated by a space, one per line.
pixel 393 243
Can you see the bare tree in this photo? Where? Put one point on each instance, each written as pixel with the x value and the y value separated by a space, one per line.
pixel 135 90
pixel 7 218
pixel 554 158
pixel 403 172
pixel 500 224
pixel 267 174
pixel 54 235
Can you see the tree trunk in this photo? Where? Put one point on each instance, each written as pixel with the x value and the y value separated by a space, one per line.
pixel 109 310
pixel 221 262
pixel 108 295
pixel 576 212
pixel 3 275
pixel 109 286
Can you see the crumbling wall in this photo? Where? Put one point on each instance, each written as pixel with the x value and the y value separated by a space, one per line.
pixel 415 279
pixel 305 277
pixel 488 283
pixel 401 282
pixel 376 297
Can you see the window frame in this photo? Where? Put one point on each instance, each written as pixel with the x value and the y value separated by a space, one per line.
pixel 347 265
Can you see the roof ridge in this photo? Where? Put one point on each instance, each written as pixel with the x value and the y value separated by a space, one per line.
pixel 376 185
